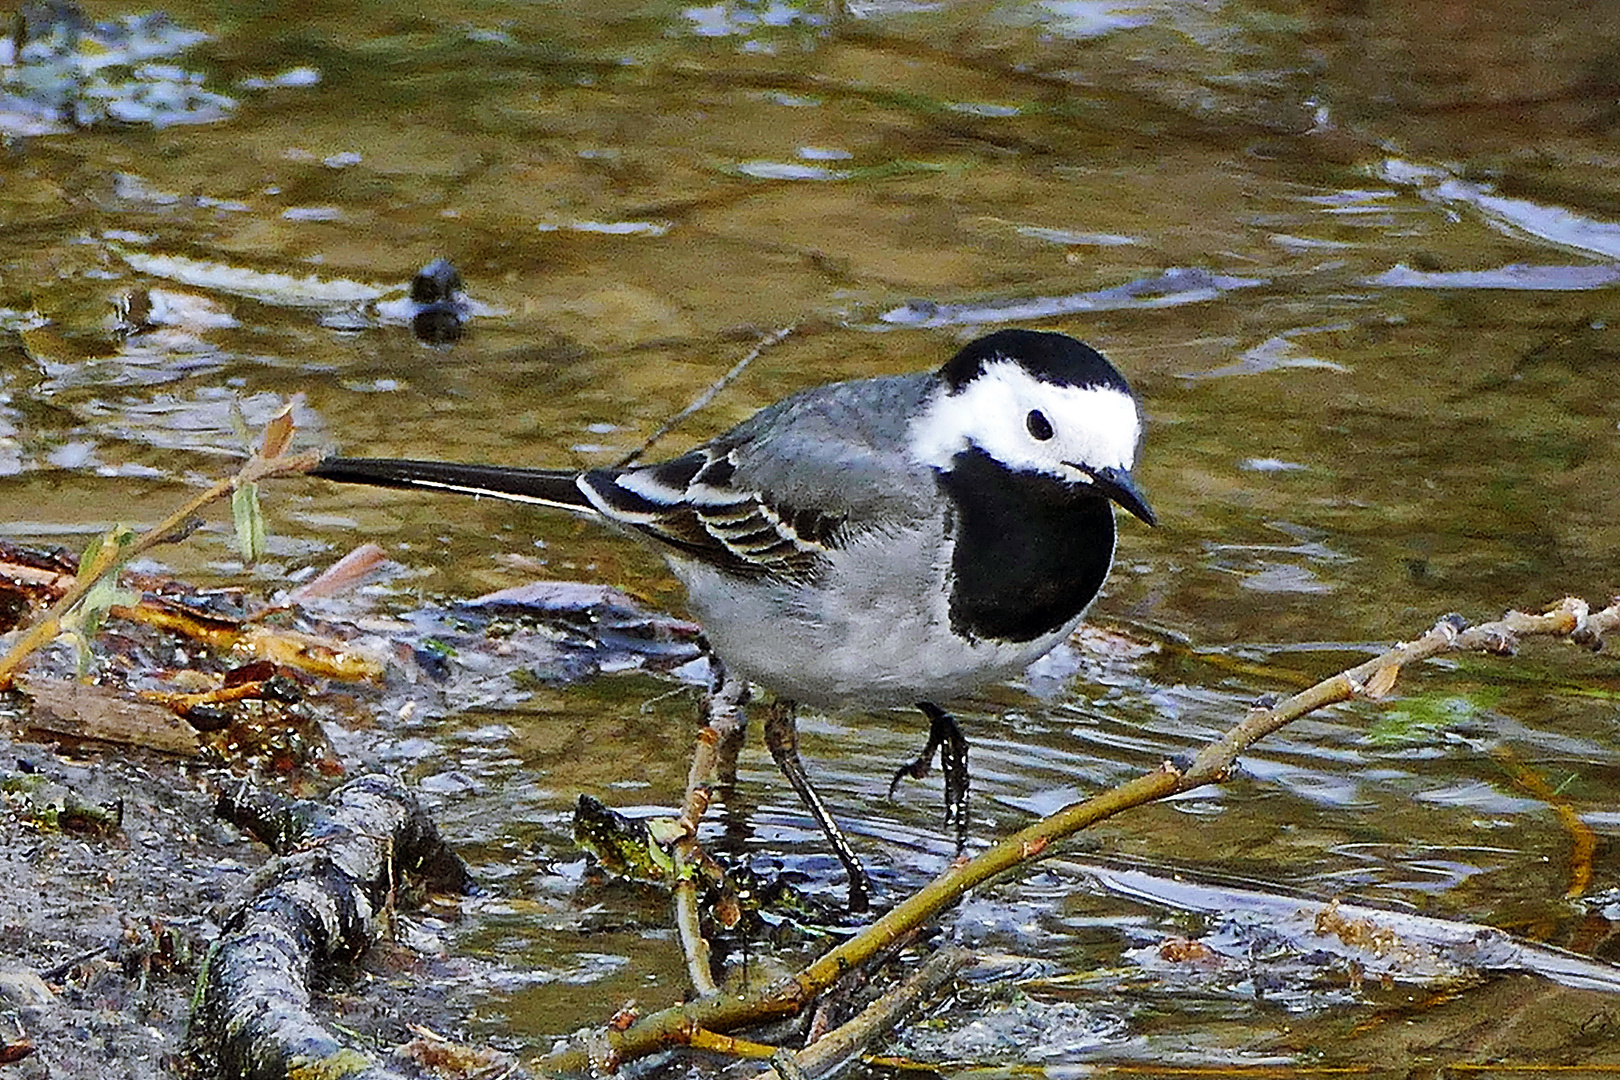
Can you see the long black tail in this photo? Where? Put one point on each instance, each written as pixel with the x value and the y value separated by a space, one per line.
pixel 547 487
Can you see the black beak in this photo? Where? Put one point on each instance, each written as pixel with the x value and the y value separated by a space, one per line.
pixel 1118 485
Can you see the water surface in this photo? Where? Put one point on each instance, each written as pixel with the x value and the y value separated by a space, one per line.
pixel 1358 259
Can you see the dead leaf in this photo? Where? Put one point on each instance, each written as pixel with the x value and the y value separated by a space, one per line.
pixel 340 575
pixel 278 433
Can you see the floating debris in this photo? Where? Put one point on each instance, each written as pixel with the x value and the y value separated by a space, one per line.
pixel 440 301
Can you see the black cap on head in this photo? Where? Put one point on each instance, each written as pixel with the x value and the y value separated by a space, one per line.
pixel 1055 358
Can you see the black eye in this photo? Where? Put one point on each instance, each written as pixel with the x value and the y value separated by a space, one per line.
pixel 1039 426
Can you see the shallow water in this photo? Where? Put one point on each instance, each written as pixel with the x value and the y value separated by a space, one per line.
pixel 1358 259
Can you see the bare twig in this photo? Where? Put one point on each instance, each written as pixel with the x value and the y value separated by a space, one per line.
pixel 714 764
pixel 111 556
pixel 703 399
pixel 606 1050
pixel 1374 679
pixel 728 1046
pixel 838 1048
pixel 1582 838
pixel 693 945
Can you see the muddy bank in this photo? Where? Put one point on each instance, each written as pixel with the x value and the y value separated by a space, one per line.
pixel 114 922
pixel 104 928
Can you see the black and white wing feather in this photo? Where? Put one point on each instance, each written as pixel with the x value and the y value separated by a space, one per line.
pixel 780 494
pixel 774 498
pixel 693 504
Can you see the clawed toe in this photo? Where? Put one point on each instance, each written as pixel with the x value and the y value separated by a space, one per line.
pixel 945 736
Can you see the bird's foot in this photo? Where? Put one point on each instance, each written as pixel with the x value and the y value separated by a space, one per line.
pixel 917 769
pixel 945 736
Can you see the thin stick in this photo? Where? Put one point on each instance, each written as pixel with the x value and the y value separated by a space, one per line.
pixel 703 399
pixel 830 1053
pixel 728 1046
pixel 1582 838
pixel 606 1050
pixel 49 622
pixel 714 764
pixel 696 803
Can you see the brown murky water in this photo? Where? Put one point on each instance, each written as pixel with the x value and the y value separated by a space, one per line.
pixel 1359 259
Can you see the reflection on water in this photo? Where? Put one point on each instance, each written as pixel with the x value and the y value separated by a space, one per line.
pixel 1357 258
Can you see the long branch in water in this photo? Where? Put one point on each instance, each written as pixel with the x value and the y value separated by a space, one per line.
pixel 603 1051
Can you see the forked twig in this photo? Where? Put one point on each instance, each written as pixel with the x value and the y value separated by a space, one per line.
pixel 687 922
pixel 833 1050
pixel 714 764
pixel 604 1051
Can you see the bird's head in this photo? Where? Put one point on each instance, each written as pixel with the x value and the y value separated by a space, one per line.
pixel 1037 402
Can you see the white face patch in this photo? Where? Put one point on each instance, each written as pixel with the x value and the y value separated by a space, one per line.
pixel 1095 426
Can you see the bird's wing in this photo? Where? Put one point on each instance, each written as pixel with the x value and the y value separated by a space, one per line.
pixel 776 495
pixel 690 504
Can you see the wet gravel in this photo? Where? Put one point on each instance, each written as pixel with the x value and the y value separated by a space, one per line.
pixel 114 922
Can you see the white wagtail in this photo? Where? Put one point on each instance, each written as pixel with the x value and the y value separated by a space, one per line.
pixel 880 542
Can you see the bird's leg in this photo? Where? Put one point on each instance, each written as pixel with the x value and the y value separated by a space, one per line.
pixel 782 737
pixel 953 761
pixel 944 735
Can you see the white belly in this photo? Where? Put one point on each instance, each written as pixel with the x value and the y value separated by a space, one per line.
pixel 876 632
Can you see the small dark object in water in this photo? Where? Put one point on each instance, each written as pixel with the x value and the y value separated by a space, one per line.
pixel 441 301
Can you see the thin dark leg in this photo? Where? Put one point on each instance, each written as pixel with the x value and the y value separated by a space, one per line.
pixel 782 737
pixel 944 735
